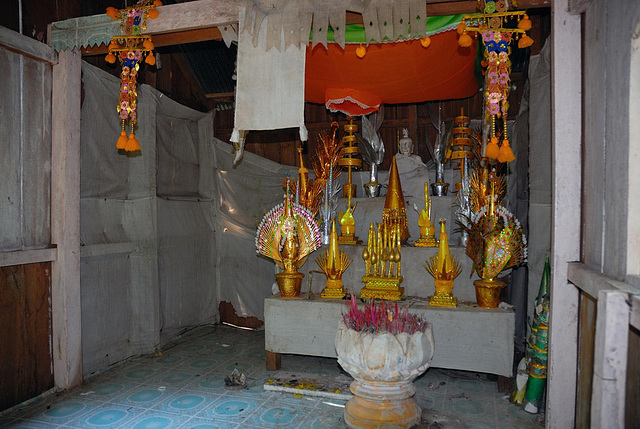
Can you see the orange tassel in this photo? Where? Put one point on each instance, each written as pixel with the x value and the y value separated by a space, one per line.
pixel 425 42
pixel 361 51
pixel 122 140
pixel 506 154
pixel 153 13
pixel 151 60
pixel 157 3
pixel 493 151
pixel 460 28
pixel 113 45
pixel 110 58
pixel 525 41
pixel 525 23
pixel 148 45
pixel 464 40
pixel 112 12
pixel 132 144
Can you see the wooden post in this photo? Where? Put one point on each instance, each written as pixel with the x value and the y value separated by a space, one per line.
pixel 65 220
pixel 610 360
pixel 273 360
pixel 566 108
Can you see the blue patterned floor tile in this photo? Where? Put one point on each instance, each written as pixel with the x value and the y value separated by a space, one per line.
pixel 279 414
pixel 200 423
pixel 185 402
pixel 108 416
pixel 146 397
pixel 105 390
pixel 231 409
pixel 158 420
pixel 325 419
pixel 211 383
pixel 29 424
pixel 59 413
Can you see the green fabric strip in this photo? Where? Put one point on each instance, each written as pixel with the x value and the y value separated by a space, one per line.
pixel 354 33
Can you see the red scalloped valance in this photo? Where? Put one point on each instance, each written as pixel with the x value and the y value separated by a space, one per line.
pixel 403 72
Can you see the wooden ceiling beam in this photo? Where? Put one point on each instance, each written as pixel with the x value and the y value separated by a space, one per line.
pixel 167 39
pixel 197 21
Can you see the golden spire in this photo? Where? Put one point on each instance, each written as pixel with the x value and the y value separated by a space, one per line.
pixel 394 212
pixel 444 268
pixel 334 263
pixel 333 256
pixel 444 265
pixel 303 180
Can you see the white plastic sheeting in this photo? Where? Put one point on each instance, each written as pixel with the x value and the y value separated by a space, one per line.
pixel 147 224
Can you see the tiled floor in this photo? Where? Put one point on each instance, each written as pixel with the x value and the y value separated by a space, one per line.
pixel 184 388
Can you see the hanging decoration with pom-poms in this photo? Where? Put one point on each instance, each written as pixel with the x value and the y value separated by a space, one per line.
pixel 494 26
pixel 131 48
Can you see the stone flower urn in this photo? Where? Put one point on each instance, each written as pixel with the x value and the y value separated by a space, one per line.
pixel 383 366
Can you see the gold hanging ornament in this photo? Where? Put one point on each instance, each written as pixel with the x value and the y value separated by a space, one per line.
pixel 131 48
pixel 496 36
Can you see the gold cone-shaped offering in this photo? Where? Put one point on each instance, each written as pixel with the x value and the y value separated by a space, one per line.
pixel 444 268
pixel 334 263
pixel 427 230
pixel 395 212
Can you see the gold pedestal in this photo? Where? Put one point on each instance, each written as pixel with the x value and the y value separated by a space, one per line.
pixel 334 289
pixel 382 288
pixel 349 239
pixel 289 284
pixel 443 296
pixel 429 241
pixel 488 292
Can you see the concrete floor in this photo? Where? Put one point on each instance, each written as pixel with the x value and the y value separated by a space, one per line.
pixel 183 387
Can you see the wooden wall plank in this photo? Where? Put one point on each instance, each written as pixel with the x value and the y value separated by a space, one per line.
pixel 25 347
pixel 610 361
pixel 594 137
pixel 632 395
pixel 586 342
pixel 566 93
pixel 27 46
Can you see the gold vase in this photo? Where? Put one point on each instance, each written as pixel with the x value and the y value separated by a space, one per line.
pixel 488 292
pixel 289 284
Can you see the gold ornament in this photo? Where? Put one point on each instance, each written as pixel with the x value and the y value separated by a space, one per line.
pixel 395 212
pixel 444 268
pixel 427 230
pixel 382 260
pixel 334 263
pixel 349 152
pixel 288 234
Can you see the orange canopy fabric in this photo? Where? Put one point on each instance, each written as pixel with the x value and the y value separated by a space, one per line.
pixel 402 72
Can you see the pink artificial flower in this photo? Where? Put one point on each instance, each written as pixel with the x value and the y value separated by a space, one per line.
pixel 487 35
pixel 492 57
pixel 504 78
pixel 502 56
pixel 493 77
pixel 497 36
pixel 494 109
pixel 124 88
pixel 494 98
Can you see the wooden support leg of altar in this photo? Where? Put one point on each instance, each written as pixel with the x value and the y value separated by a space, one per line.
pixel 273 360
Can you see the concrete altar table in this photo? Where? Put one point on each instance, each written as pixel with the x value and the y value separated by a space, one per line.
pixel 466 338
